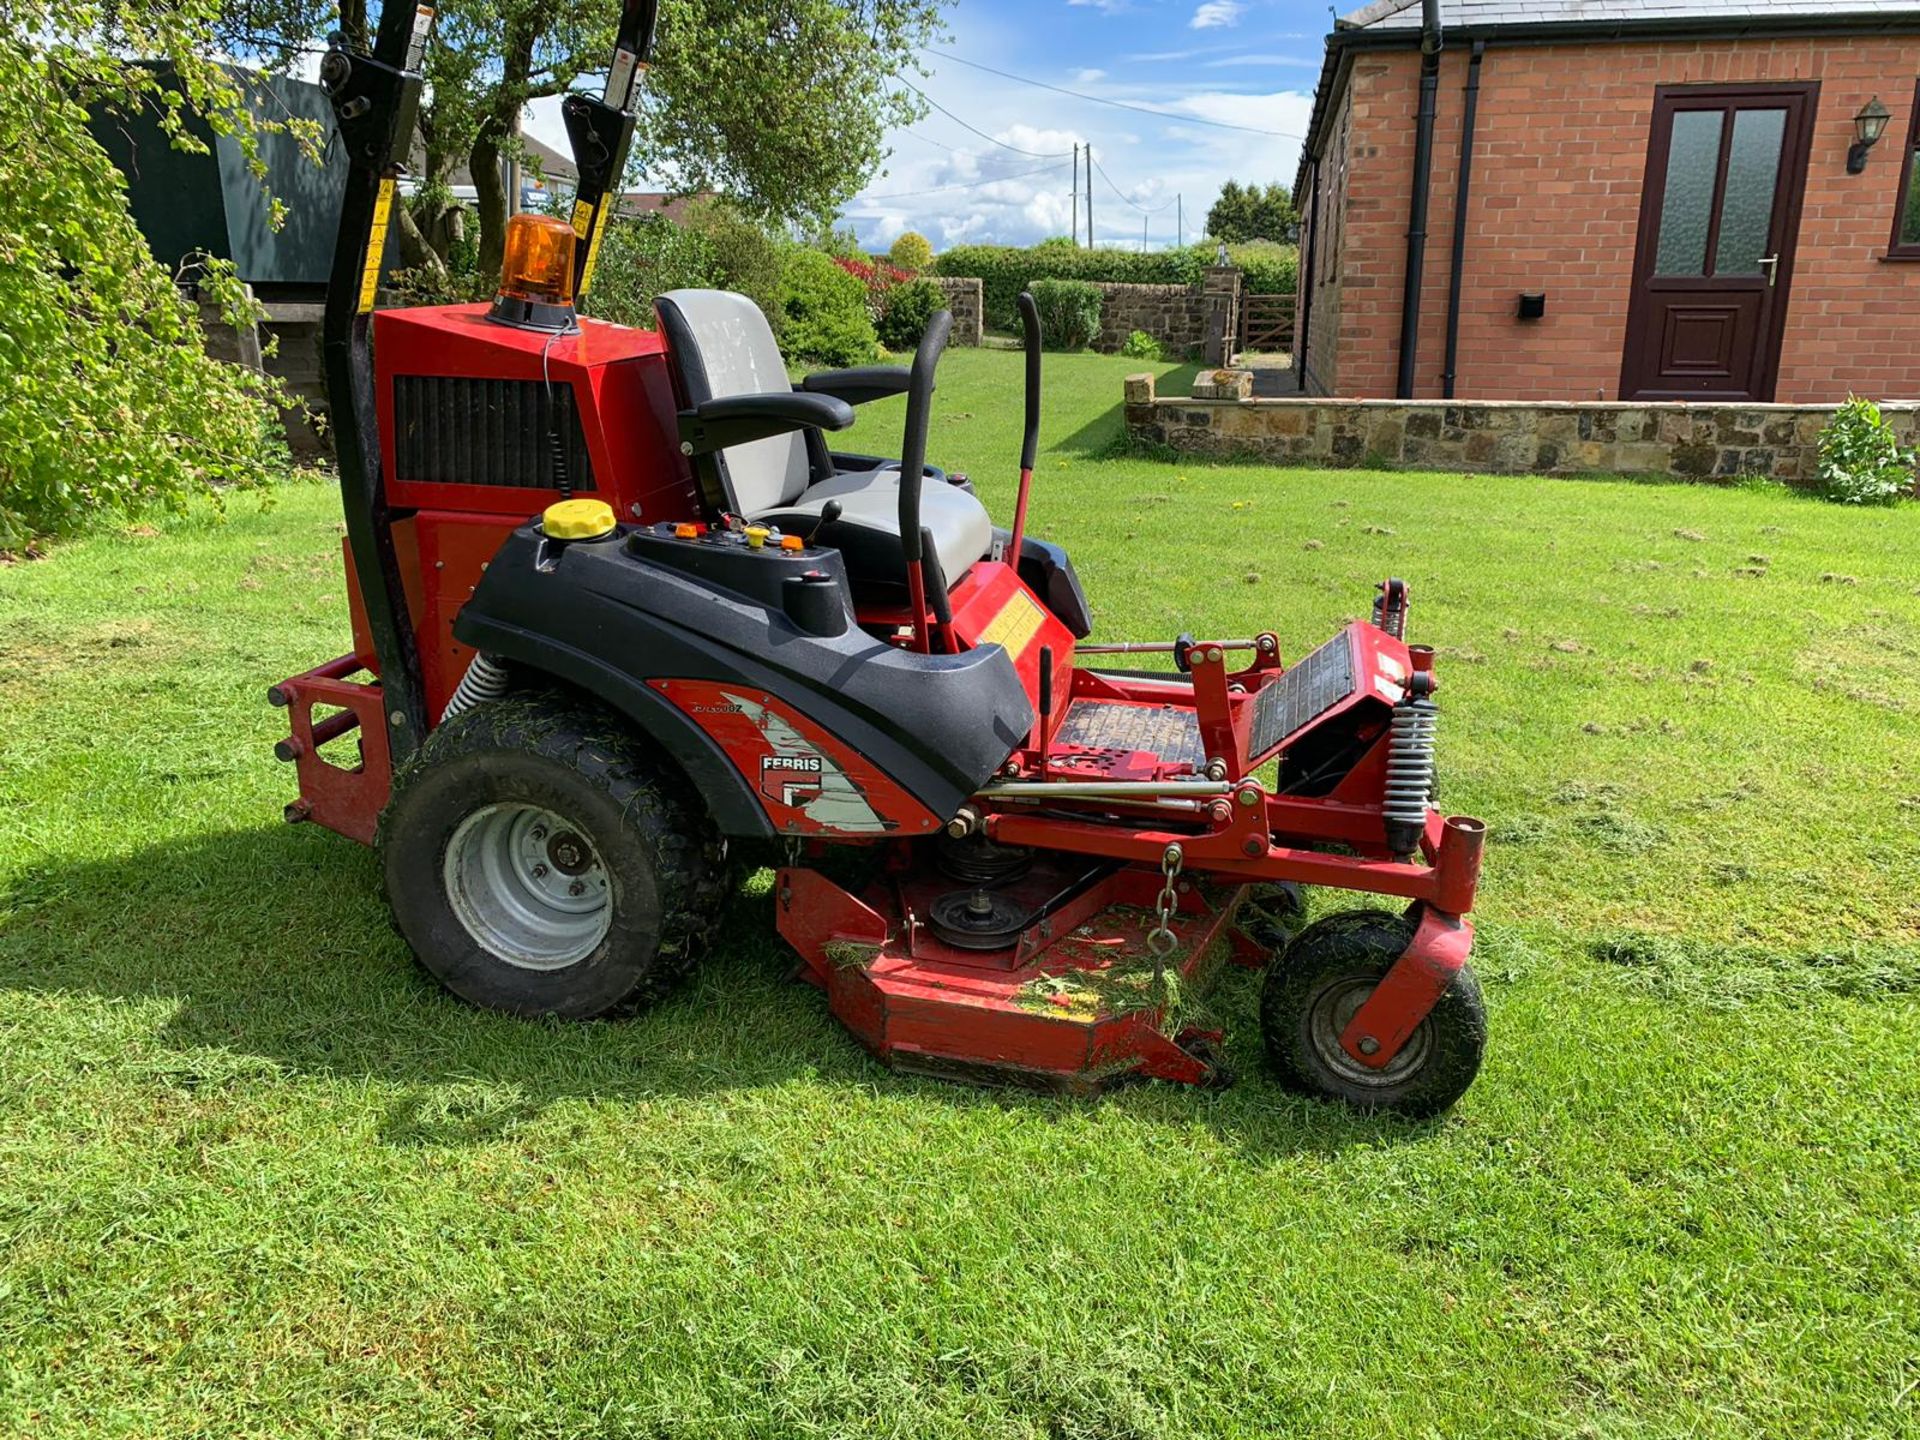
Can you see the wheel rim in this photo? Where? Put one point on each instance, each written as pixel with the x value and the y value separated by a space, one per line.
pixel 1335 1005
pixel 528 886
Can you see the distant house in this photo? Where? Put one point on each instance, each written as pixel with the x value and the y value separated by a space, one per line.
pixel 1667 199
pixel 547 176
pixel 559 172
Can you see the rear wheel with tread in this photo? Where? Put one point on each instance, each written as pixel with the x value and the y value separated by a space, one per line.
pixel 1312 991
pixel 541 859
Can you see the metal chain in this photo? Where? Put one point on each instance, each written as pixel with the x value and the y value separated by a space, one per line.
pixel 1161 939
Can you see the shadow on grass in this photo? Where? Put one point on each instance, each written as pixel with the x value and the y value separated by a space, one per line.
pixel 273 945
pixel 1100 435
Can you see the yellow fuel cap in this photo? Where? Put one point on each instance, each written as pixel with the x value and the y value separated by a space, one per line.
pixel 577 520
pixel 757 536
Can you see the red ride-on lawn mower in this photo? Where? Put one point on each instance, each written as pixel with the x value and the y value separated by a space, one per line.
pixel 1001 861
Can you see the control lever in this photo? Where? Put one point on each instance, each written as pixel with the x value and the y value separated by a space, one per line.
pixel 829 513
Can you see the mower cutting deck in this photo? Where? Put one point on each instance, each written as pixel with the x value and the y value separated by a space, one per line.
pixel 618 607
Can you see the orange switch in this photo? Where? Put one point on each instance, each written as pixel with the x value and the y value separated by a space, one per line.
pixel 686 531
pixel 792 542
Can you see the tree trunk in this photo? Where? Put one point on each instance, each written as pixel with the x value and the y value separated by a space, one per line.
pixel 490 198
pixel 499 121
pixel 416 251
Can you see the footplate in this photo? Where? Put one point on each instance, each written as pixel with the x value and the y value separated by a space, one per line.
pixel 1119 727
pixel 1302 694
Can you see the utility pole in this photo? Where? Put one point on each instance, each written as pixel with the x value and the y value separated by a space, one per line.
pixel 1179 224
pixel 1090 195
pixel 1075 229
pixel 1143 234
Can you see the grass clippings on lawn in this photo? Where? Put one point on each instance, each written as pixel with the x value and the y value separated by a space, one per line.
pixel 258 1176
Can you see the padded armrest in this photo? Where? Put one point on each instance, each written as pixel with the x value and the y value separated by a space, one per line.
pixel 736 419
pixel 857 387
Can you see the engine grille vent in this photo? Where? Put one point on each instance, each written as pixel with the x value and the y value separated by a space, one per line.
pixel 450 430
pixel 1303 694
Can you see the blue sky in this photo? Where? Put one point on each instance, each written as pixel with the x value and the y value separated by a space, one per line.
pixel 1249 63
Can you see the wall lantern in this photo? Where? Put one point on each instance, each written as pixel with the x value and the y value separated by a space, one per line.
pixel 1868 126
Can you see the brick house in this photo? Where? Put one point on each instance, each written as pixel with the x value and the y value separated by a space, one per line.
pixel 1663 199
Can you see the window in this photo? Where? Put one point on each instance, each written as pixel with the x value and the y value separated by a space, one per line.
pixel 1906 213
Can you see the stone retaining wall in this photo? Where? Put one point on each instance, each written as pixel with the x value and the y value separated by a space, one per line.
pixel 969 309
pixel 1198 319
pixel 1672 439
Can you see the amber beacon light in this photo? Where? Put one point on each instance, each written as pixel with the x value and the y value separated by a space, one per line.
pixel 536 278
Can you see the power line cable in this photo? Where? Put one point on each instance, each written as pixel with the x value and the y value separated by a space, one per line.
pixel 1030 154
pixel 1164 205
pixel 1117 104
pixel 965 184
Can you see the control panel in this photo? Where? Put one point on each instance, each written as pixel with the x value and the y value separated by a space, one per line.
pixel 758 563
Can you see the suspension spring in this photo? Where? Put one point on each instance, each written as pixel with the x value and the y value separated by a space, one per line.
pixel 485 680
pixel 1409 772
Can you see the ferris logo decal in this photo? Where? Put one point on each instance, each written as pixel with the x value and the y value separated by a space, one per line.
pixel 791 780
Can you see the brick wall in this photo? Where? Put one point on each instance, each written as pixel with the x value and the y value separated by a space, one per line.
pixel 1666 439
pixel 964 300
pixel 1559 155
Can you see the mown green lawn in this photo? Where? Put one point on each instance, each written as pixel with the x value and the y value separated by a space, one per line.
pixel 258 1176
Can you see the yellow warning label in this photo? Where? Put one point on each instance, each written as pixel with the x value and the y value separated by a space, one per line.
pixel 1015 626
pixel 593 248
pixel 582 218
pixel 376 245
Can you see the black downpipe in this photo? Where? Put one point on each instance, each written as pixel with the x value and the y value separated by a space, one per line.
pixel 1430 42
pixel 375 99
pixel 1457 260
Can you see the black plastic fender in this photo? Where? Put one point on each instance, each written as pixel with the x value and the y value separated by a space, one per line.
pixel 608 617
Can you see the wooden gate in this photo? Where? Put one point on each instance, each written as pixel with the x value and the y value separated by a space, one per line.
pixel 1266 322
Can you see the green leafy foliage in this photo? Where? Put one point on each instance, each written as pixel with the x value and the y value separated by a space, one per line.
pixel 1861 460
pixel 1005 270
pixel 907 307
pixel 1253 212
pixel 718 247
pixel 1069 313
pixel 825 312
pixel 645 257
pixel 747 257
pixel 1267 267
pixel 109 403
pixel 1142 346
pixel 783 104
pixel 912 252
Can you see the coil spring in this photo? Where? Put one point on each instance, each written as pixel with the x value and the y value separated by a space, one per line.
pixel 485 680
pixel 1410 761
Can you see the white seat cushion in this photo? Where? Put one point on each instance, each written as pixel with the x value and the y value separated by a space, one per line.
pixel 868 530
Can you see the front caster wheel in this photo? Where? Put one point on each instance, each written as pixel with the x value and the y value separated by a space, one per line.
pixel 541 860
pixel 1326 974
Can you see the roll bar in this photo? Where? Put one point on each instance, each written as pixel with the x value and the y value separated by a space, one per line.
pixel 913 464
pixel 376 99
pixel 600 132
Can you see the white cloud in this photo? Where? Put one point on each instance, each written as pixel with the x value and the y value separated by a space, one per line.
pixel 1105 7
pixel 1216 15
pixel 1087 77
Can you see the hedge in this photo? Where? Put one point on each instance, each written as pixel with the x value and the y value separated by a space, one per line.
pixel 1005 270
